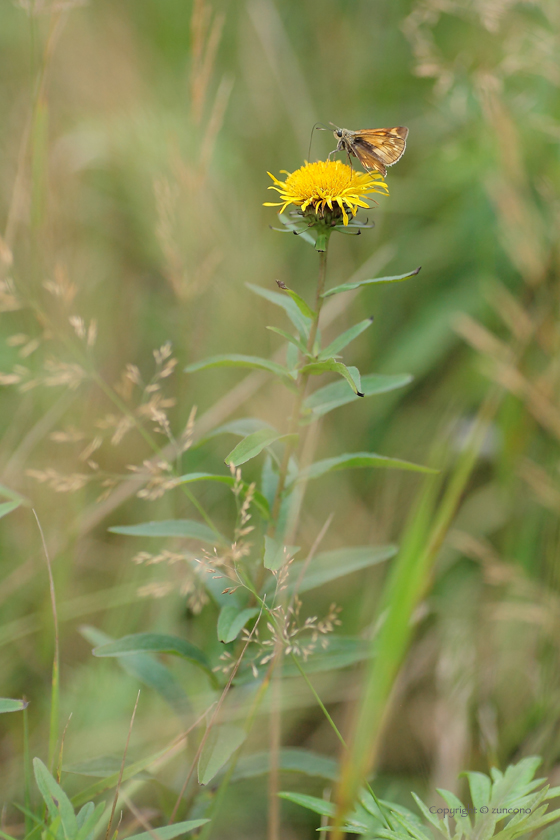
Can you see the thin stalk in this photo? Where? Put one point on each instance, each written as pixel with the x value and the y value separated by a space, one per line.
pixel 301 388
pixel 55 687
pixel 337 733
pixel 27 773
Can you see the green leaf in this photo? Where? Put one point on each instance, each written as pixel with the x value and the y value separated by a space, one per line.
pixel 220 745
pixel 232 620
pixel 87 820
pixel 347 287
pixel 351 374
pixel 342 651
pixel 147 669
pixel 239 360
pixel 253 445
pixel 336 394
pixel 290 759
pixel 292 339
pixel 8 507
pixel 258 499
pixel 168 832
pixel 186 528
pixel 480 787
pixel 13 495
pixel 331 565
pixel 300 322
pixel 130 772
pixel 311 803
pixel 276 554
pixel 345 338
pixel 155 643
pixel 55 799
pixel 8 705
pixel 104 765
pixel 353 460
pixel 305 310
pixel 242 427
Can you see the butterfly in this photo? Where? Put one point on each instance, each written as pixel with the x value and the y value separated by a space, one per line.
pixel 375 148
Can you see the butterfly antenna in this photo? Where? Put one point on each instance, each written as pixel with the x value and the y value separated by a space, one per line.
pixel 320 127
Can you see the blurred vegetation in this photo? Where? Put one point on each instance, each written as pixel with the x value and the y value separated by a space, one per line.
pixel 134 144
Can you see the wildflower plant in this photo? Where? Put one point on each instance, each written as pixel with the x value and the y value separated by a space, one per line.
pixel 258 574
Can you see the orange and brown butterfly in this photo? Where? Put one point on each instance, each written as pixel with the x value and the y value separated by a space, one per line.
pixel 375 148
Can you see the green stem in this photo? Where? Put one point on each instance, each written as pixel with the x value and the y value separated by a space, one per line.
pixel 338 734
pixel 27 773
pixel 301 387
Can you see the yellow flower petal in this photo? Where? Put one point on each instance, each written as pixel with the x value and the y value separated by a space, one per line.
pixel 326 183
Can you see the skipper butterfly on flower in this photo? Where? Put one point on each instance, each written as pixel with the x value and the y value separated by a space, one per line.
pixel 375 148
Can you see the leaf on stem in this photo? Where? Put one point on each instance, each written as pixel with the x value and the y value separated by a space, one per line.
pixel 55 799
pixel 350 374
pixel 187 528
pixel 345 338
pixel 232 620
pixel 337 394
pixel 220 745
pixel 276 554
pixel 331 565
pixel 290 759
pixel 258 499
pixel 9 705
pixel 347 287
pixel 253 445
pixel 8 507
pixel 305 310
pixel 155 643
pixel 168 832
pixel 292 339
pixel 353 460
pixel 240 360
pixel 145 668
pixel 300 322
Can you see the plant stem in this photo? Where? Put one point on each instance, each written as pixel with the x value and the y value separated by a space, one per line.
pixel 301 388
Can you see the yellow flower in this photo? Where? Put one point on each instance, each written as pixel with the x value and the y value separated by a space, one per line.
pixel 327 183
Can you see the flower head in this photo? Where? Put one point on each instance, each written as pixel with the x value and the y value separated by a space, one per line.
pixel 328 190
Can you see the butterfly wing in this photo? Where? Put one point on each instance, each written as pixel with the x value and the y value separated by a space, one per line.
pixel 377 148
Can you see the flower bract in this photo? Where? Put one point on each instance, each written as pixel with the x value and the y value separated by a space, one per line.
pixel 327 189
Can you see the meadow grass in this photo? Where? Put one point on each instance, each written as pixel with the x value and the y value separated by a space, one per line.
pixel 135 144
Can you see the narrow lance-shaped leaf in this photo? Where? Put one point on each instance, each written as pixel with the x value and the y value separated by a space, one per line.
pixel 347 287
pixel 353 460
pixel 331 565
pixel 345 338
pixel 350 374
pixel 55 799
pixel 292 339
pixel 253 445
pixel 187 528
pixel 220 745
pixel 232 620
pixel 169 832
pixel 337 394
pixel 145 668
pixel 8 507
pixel 300 322
pixel 242 361
pixel 9 705
pixel 258 499
pixel 299 301
pixel 290 759
pixel 155 643
pixel 276 554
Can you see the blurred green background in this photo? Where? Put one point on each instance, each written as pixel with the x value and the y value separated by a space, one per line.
pixel 134 144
